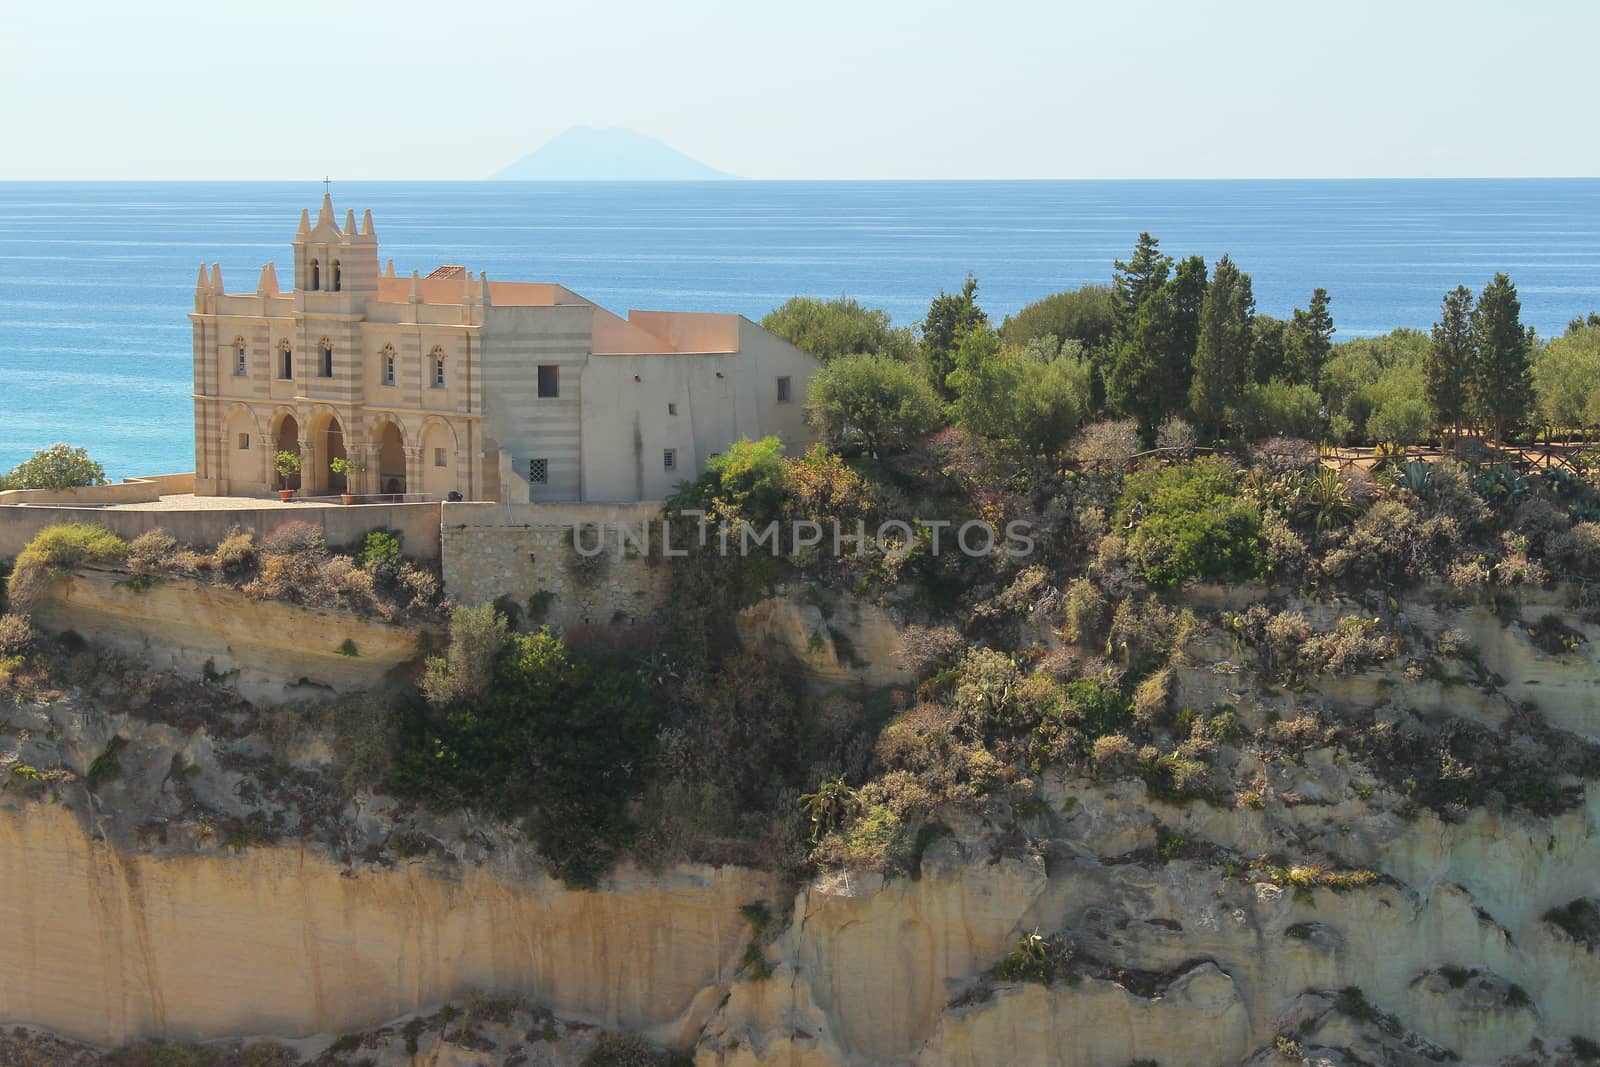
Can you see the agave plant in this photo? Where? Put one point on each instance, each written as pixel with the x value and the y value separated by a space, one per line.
pixel 1416 475
pixel 829 806
pixel 1323 500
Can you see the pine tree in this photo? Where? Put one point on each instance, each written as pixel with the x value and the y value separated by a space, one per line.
pixel 1310 339
pixel 1222 355
pixel 1503 382
pixel 950 317
pixel 1451 362
pixel 1146 367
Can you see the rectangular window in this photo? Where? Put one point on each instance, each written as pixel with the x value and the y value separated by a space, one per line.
pixel 286 367
pixel 538 472
pixel 325 362
pixel 388 370
pixel 439 459
pixel 239 363
pixel 669 459
pixel 672 409
pixel 244 442
pixel 783 390
pixel 549 381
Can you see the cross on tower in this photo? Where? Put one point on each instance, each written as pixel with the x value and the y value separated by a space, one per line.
pixel 327 186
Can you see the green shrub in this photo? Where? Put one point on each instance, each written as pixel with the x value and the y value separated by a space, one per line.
pixel 1189 521
pixel 16 635
pixel 55 550
pixel 380 552
pixel 58 467
pixel 561 740
pixel 1085 610
pixel 477 634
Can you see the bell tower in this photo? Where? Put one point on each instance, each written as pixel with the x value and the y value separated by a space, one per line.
pixel 333 259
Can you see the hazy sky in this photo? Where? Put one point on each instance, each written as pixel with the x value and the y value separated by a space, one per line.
pixel 293 89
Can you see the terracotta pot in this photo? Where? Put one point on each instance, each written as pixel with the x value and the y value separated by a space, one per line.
pixel 285 495
pixel 347 498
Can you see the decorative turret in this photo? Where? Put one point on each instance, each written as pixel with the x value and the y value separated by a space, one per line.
pixel 268 285
pixel 388 272
pixel 349 222
pixel 366 224
pixel 216 279
pixel 325 213
pixel 416 287
pixel 483 288
pixel 202 289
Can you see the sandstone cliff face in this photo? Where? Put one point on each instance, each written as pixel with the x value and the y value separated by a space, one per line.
pixel 279 651
pixel 1183 955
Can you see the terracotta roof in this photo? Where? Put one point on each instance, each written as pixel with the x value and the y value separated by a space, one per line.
pixel 448 270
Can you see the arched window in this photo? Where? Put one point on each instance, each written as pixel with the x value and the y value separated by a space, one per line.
pixel 336 275
pixel 324 358
pixel 240 364
pixel 388 364
pixel 285 360
pixel 436 361
pixel 315 275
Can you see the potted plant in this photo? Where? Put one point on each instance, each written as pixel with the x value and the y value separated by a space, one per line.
pixel 344 466
pixel 288 464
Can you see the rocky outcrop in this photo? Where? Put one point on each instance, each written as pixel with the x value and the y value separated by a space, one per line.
pixel 268 650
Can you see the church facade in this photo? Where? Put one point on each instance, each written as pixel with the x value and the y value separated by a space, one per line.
pixel 452 383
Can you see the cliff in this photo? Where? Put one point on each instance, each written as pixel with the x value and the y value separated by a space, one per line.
pixel 220 883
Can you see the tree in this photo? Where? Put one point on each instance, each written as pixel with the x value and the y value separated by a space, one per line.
pixel 57 467
pixel 879 402
pixel 1279 408
pixel 1450 365
pixel 829 329
pixel 1310 339
pixel 950 317
pixel 1502 382
pixel 1005 394
pixel 1051 402
pixel 1146 365
pixel 984 381
pixel 1270 343
pixel 1566 378
pixel 1222 357
pixel 1084 315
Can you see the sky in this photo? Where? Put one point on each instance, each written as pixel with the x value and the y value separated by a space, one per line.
pixel 826 89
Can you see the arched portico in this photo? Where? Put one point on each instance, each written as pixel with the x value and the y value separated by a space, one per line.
pixel 389 448
pixel 327 445
pixel 286 438
pixel 438 459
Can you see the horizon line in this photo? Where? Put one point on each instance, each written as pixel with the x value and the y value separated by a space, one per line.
pixel 732 180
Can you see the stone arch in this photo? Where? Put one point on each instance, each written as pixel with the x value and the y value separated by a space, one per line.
pixel 337 280
pixel 389 452
pixel 241 467
pixel 314 269
pixel 438 439
pixel 285 437
pixel 327 444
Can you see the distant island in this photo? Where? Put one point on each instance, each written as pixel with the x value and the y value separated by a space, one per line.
pixel 615 153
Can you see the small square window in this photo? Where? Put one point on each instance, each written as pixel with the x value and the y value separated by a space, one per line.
pixel 244 442
pixel 549 381
pixel 439 458
pixel 669 458
pixel 783 390
pixel 538 472
pixel 672 409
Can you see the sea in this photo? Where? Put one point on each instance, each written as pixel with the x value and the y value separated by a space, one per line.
pixel 96 279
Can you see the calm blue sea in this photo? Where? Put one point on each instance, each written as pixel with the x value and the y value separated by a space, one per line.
pixel 96 279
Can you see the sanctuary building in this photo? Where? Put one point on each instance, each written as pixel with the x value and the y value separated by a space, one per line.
pixel 452 383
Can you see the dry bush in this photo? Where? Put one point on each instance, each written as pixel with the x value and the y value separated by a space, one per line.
pixel 1146 633
pixel 1152 697
pixel 1176 433
pixel 16 635
pixel 1354 645
pixel 295 538
pixel 236 553
pixel 1107 447
pixel 925 649
pixel 1085 611
pixel 1449 493
pixel 1288 559
pixel 1279 455
pixel 1576 551
pixel 465 670
pixel 1115 756
pixel 151 551
pixel 931 743
pixel 420 589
